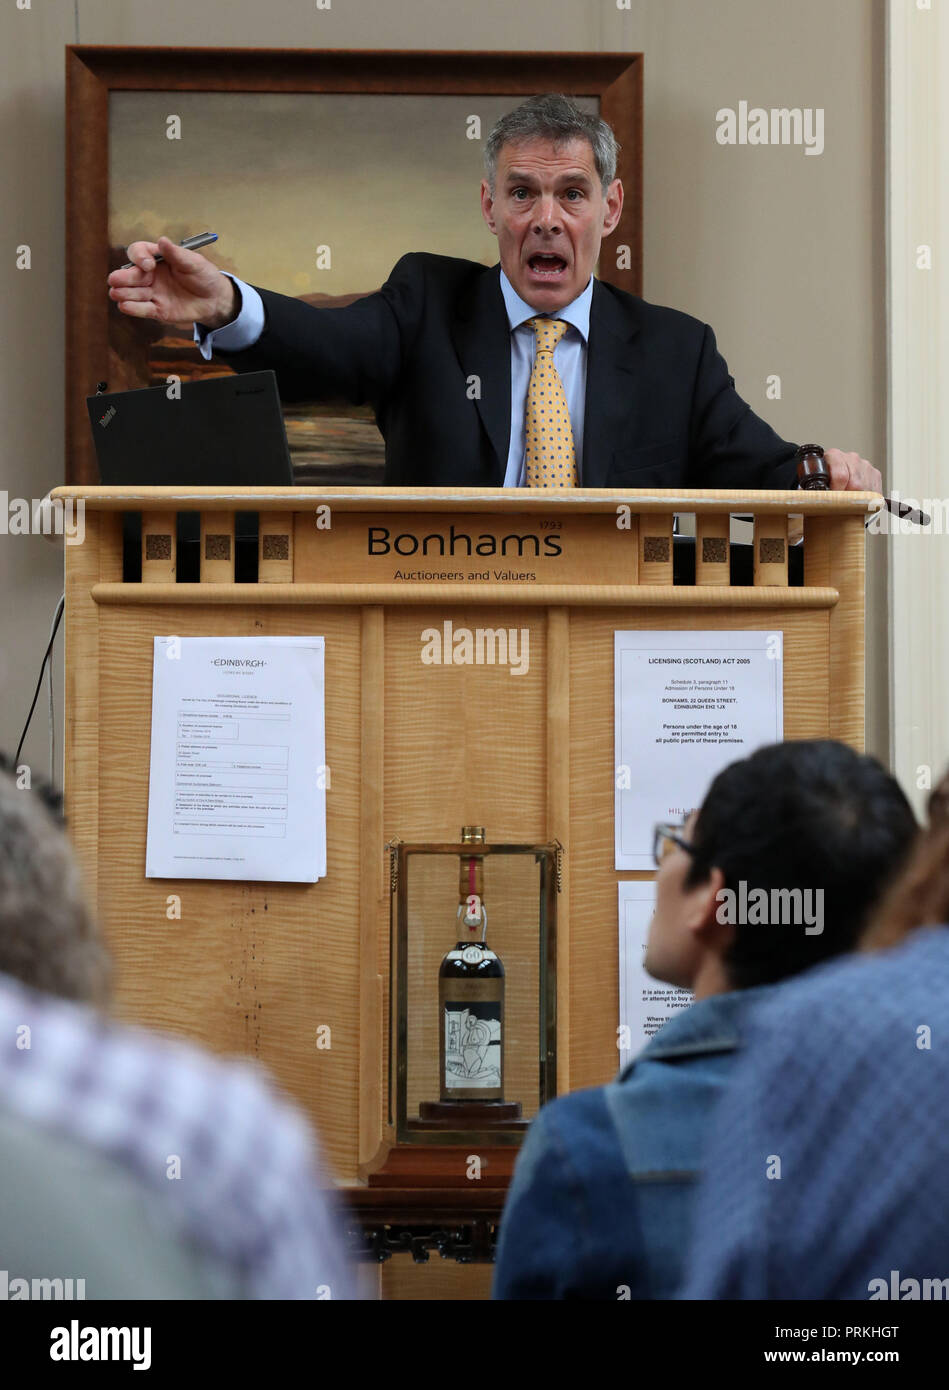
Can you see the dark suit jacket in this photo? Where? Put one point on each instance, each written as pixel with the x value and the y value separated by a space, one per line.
pixel 431 352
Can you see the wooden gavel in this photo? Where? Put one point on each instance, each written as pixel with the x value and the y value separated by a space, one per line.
pixel 813 475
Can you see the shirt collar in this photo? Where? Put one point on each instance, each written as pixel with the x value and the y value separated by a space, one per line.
pixel 714 1024
pixel 577 313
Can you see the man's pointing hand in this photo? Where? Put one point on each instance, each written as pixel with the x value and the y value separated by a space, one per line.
pixel 183 288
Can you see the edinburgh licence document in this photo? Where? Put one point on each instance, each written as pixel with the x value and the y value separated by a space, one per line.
pixel 237 778
pixel 686 705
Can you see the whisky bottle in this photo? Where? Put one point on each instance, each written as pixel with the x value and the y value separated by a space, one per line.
pixel 471 994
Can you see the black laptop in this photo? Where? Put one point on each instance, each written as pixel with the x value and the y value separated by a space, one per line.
pixel 227 431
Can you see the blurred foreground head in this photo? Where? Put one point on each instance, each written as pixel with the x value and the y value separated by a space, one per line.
pixel 920 897
pixel 48 938
pixel 848 1071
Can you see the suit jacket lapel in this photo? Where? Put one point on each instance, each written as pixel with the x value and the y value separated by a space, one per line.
pixel 612 402
pixel 482 338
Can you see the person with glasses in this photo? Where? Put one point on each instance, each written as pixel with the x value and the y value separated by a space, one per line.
pixel 778 870
pixel 846 1074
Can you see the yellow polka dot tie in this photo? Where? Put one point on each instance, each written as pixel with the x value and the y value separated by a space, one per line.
pixel 550 458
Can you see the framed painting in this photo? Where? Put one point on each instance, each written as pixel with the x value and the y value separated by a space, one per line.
pixel 317 170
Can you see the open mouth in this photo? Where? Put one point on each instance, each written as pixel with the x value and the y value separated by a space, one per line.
pixel 547 266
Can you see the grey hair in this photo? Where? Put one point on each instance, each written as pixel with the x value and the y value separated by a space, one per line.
pixel 48 937
pixel 552 117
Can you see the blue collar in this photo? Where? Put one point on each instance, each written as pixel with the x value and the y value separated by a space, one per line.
pixel 577 313
pixel 712 1025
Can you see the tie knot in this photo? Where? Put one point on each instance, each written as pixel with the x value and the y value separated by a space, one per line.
pixel 549 332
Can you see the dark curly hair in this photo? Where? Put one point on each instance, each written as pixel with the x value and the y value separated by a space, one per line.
pixel 808 814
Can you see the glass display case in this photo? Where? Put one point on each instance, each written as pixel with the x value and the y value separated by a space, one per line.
pixel 473 989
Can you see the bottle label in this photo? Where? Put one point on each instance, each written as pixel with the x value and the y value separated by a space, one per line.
pixel 472 955
pixel 473 1045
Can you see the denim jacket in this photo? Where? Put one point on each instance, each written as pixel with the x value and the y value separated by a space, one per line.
pixel 600 1203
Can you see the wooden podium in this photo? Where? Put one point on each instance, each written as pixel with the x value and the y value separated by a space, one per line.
pixel 414 750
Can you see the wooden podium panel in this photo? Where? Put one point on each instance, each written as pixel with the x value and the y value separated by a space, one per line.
pixel 464 745
pixel 593 909
pixel 248 968
pixel 414 749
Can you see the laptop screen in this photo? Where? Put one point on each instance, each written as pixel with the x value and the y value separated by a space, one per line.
pixel 225 431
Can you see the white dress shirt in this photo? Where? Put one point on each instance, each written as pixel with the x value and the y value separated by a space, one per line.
pixel 570 359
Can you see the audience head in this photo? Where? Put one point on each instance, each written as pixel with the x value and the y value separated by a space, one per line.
pixel 48 939
pixel 920 895
pixel 779 868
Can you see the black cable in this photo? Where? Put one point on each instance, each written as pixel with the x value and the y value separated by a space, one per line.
pixel 39 685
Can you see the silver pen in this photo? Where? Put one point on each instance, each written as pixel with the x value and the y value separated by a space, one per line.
pixel 190 243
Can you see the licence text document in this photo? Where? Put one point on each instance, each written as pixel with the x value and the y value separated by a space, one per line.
pixel 237 783
pixel 686 705
pixel 645 1004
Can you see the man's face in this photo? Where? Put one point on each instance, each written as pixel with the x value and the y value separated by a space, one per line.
pixel 674 948
pixel 549 214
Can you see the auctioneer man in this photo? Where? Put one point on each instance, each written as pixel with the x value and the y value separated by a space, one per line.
pixel 529 374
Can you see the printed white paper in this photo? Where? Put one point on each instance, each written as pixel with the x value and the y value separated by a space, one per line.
pixel 686 705
pixel 645 1004
pixel 237 778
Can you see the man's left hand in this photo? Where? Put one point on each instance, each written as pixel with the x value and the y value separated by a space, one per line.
pixel 852 473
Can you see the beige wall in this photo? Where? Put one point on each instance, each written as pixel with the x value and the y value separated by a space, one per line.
pixel 781 252
pixel 918 426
